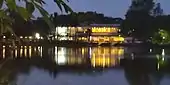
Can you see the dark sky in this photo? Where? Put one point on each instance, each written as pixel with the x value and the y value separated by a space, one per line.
pixel 114 8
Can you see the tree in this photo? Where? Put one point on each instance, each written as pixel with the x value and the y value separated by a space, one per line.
pixel 139 22
pixel 26 12
pixel 157 10
pixel 142 5
pixel 161 37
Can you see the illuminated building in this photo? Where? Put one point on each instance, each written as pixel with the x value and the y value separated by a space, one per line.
pixel 95 33
pixel 105 34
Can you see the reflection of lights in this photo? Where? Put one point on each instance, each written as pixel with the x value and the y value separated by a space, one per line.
pixel 61 58
pixel 25 52
pixel 83 51
pixel 163 58
pixel 90 52
pixel 35 49
pixel 16 53
pixel 56 51
pixel 3 46
pixel 30 51
pixel 106 57
pixel 158 66
pixel 21 52
pixel 163 52
pixel 161 61
pixel 94 63
pixel 132 55
pixel 41 51
pixel 3 52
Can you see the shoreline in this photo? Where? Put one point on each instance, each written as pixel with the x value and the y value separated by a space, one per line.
pixel 84 44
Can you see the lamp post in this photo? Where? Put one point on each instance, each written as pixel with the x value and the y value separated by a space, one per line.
pixel 37 36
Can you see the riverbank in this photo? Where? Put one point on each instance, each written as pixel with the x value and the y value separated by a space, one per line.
pixel 84 44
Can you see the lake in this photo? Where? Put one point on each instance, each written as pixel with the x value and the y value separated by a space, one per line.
pixel 37 65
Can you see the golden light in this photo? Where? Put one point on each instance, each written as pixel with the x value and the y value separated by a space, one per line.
pixel 119 39
pixel 104 29
pixel 101 56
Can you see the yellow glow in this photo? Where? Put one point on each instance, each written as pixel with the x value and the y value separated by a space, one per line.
pixel 118 39
pixel 107 39
pixel 106 57
pixel 83 51
pixel 105 29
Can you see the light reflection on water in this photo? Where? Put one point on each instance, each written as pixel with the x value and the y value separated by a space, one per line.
pixel 99 56
pixel 88 65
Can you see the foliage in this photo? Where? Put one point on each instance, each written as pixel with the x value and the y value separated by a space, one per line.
pixel 161 37
pixel 26 11
pixel 142 5
pixel 157 10
pixel 74 19
pixel 141 18
pixel 84 18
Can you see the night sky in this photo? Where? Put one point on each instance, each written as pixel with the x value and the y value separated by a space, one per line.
pixel 113 8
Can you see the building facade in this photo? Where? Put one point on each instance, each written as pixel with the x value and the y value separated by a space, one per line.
pixel 95 33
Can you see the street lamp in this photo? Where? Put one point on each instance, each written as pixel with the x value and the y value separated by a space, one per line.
pixel 37 36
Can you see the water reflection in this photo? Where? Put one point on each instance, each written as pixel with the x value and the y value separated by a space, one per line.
pixel 21 51
pixel 98 57
pixel 92 65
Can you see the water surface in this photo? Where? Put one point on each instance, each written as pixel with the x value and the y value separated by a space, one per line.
pixel 37 65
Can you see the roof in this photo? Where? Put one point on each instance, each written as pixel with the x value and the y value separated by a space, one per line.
pixel 112 25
